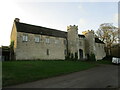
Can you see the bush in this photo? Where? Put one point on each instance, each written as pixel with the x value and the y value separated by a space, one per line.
pixel 92 57
pixel 71 56
pixel 76 56
pixel 108 57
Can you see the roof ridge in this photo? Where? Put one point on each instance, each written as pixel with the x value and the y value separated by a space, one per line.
pixel 40 26
pixel 34 29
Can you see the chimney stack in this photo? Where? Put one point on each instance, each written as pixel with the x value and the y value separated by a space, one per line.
pixel 17 20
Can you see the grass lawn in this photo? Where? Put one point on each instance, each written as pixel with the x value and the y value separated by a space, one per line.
pixel 104 62
pixel 16 72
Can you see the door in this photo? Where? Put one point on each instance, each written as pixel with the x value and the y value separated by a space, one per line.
pixel 80 54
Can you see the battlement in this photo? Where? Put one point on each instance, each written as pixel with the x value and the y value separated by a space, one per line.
pixel 88 31
pixel 74 27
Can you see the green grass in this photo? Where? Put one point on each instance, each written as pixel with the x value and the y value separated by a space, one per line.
pixel 104 62
pixel 16 72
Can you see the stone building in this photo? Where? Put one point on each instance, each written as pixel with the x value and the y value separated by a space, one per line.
pixel 4 53
pixel 35 42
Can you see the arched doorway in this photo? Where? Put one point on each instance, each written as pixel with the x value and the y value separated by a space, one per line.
pixel 80 54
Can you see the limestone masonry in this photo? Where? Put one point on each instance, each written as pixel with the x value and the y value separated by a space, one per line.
pixel 35 42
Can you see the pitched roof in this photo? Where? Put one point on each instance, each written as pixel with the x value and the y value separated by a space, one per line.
pixel 5 48
pixel 27 28
pixel 82 36
pixel 98 41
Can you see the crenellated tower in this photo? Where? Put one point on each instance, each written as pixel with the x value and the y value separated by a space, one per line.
pixel 73 38
pixel 90 41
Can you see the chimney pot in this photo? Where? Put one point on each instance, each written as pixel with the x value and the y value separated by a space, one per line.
pixel 17 19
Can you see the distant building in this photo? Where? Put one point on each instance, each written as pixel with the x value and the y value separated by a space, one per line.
pixel 35 42
pixel 4 53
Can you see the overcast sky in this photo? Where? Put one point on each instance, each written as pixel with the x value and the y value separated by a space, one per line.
pixel 56 14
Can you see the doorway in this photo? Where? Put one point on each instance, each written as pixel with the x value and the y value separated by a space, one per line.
pixel 80 54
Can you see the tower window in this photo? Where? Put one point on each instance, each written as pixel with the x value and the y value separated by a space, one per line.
pixel 65 52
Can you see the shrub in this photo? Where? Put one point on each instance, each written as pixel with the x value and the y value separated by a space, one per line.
pixel 72 56
pixel 76 56
pixel 108 57
pixel 67 57
pixel 92 57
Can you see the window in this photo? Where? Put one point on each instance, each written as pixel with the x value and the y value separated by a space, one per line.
pixel 47 40
pixel 65 52
pixel 47 51
pixel 37 39
pixel 25 38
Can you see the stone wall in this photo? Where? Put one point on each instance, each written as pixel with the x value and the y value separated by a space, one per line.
pixel 90 41
pixel 82 46
pixel 73 39
pixel 99 51
pixel 56 47
pixel 32 50
pixel 92 47
pixel 13 36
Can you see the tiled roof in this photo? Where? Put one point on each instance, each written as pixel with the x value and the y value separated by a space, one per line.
pixel 27 28
pixel 98 41
pixel 82 36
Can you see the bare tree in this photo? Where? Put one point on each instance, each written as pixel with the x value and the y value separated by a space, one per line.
pixel 108 34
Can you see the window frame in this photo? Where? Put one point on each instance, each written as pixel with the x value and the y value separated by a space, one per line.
pixel 25 38
pixel 47 40
pixel 37 39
